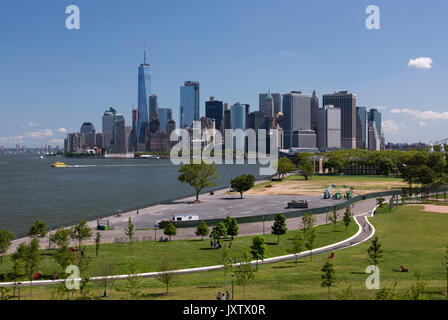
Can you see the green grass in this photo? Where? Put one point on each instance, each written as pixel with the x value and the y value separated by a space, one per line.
pixel 408 236
pixel 181 253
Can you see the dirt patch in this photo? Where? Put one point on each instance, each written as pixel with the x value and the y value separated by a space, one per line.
pixel 431 208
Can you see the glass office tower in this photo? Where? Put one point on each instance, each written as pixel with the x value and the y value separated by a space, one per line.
pixel 238 120
pixel 144 89
pixel 189 103
pixel 165 116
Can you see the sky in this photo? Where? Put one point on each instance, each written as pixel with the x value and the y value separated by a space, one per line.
pixel 53 79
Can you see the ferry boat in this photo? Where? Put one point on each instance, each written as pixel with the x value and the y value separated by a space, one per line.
pixel 58 164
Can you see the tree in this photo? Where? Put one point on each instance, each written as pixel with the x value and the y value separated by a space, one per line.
pixel 258 248
pixel 38 229
pixel 61 237
pixel 334 218
pixel 231 226
pixel 375 252
pixel 219 231
pixel 106 269
pixel 328 277
pixel 227 262
pixel 202 230
pixel 244 272
pixel 170 230
pixel 64 256
pixel 242 183
pixel 296 245
pixel 418 291
pixel 310 236
pixel 97 243
pixel 284 166
pixel 81 232
pixel 166 274
pixel 380 201
pixel 305 165
pixel 28 257
pixel 279 226
pixel 6 237
pixel 134 279
pixel 129 231
pixel 199 176
pixel 347 218
pixel 307 221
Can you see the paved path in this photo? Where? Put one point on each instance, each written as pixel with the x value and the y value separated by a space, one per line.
pixel 365 232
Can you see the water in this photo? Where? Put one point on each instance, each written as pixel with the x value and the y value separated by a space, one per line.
pixel 31 189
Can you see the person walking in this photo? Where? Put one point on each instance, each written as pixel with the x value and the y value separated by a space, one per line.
pixel 223 297
pixel 218 297
pixel 227 295
pixel 364 228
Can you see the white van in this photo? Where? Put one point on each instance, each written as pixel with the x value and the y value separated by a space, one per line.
pixel 185 217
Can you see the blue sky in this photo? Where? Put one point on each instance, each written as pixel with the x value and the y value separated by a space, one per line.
pixel 53 79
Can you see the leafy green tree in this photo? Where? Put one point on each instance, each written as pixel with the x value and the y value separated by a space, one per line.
pixel 297 245
pixel 6 237
pixel 310 236
pixel 418 291
pixel 81 232
pixel 334 218
pixel 170 230
pixel 284 166
pixel 64 256
pixel 307 221
pixel 61 237
pixel 37 230
pixel 244 272
pixel 242 183
pixel 202 230
pixel 199 176
pixel 335 163
pixel 129 231
pixel 386 293
pixel 231 226
pixel 227 263
pixel 28 257
pixel 375 252
pixel 134 279
pixel 305 165
pixel 258 248
pixel 219 231
pixel 347 218
pixel 97 243
pixel 279 228
pixel 328 277
pixel 166 274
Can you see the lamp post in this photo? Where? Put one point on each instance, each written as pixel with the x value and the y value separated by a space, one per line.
pixel 233 276
pixel 264 217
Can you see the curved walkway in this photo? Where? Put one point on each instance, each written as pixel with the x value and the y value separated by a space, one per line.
pixel 360 237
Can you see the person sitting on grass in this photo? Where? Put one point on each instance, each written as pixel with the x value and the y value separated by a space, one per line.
pixel 404 269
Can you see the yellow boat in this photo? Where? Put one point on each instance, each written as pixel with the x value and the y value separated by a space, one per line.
pixel 58 164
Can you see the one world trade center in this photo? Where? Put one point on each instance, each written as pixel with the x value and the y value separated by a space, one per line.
pixel 144 90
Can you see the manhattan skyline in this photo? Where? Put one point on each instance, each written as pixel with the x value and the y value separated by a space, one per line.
pixel 54 79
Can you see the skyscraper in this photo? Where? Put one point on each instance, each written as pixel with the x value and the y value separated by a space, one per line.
pixel 134 129
pixel 328 127
pixel 165 115
pixel 108 126
pixel 374 139
pixel 362 128
pixel 189 103
pixel 238 121
pixel 375 115
pixel 153 105
pixel 296 115
pixel 87 127
pixel 119 139
pixel 346 101
pixel 144 89
pixel 214 109
pixel 314 108
pixel 277 97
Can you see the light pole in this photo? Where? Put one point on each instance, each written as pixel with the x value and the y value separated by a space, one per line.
pixel 233 276
pixel 264 217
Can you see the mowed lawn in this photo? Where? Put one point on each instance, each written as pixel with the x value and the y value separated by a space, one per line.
pixel 408 236
pixel 180 253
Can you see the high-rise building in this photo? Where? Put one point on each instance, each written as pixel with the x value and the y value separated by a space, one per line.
pixel 144 90
pixel 165 115
pixel 296 115
pixel 255 120
pixel 238 121
pixel 128 138
pixel 374 139
pixel 87 127
pixel 108 126
pixel 134 129
pixel 346 101
pixel 214 109
pixel 119 139
pixel 153 105
pixel 314 108
pixel 329 127
pixel 277 97
pixel 362 128
pixel 375 115
pixel 189 103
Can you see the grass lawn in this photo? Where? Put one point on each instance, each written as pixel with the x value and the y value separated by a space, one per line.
pixel 180 253
pixel 408 236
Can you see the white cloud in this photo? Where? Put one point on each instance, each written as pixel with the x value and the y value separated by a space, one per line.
pixel 29 124
pixel 62 130
pixel 425 115
pixel 422 123
pixel 390 126
pixel 39 134
pixel 420 63
pixel 57 141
